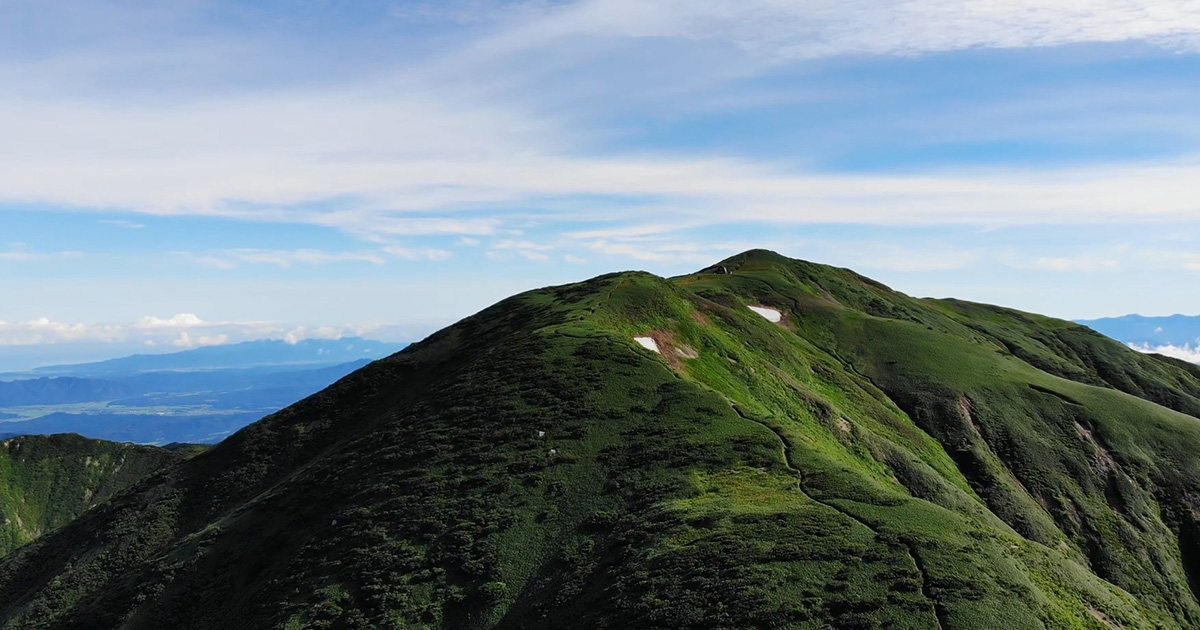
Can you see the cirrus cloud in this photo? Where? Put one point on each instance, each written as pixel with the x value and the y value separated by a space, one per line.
pixel 781 29
pixel 407 152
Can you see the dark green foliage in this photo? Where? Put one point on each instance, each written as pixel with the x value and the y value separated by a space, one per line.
pixel 874 461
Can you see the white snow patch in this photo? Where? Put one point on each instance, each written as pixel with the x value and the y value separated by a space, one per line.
pixel 648 343
pixel 772 315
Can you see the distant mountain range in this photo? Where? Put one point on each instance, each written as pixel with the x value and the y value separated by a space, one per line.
pixel 59 391
pixel 197 396
pixel 263 353
pixel 1175 330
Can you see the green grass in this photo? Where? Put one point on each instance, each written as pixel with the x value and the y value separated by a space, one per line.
pixel 875 461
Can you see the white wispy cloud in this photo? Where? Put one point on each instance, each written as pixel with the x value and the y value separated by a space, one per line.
pixel 471 143
pixel 182 330
pixel 212 262
pixel 185 340
pixel 180 321
pixel 285 258
pixel 185 330
pixel 664 250
pixel 410 153
pixel 824 28
pixel 521 245
pixel 122 223
pixel 44 330
pixel 288 258
pixel 23 255
pixel 417 253
pixel 509 248
pixel 1123 257
pixel 695 192
pixel 902 258
pixel 1080 263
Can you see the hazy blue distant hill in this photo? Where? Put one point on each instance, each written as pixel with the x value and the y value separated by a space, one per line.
pixel 155 388
pixel 158 407
pixel 60 390
pixel 138 428
pixel 1175 330
pixel 307 353
pixel 199 395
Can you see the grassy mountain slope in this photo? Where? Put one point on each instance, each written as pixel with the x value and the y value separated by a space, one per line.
pixel 46 481
pixel 871 461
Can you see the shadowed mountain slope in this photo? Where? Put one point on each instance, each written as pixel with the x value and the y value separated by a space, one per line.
pixel 869 460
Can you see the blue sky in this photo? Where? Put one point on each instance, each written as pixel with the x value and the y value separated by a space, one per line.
pixel 203 171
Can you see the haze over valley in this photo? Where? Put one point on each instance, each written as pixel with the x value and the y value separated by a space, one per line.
pixel 197 396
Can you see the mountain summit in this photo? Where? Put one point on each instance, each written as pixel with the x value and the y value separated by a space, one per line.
pixel 768 443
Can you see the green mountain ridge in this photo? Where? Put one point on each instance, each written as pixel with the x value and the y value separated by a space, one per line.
pixel 48 480
pixel 871 460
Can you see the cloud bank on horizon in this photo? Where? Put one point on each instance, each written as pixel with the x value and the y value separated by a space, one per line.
pixel 1187 353
pixel 185 331
pixel 400 161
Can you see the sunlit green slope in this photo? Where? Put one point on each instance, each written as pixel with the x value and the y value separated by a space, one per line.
pixel 869 461
pixel 47 480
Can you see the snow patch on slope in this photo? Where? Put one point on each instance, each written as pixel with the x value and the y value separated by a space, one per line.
pixel 772 315
pixel 648 343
